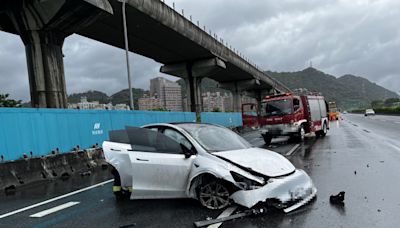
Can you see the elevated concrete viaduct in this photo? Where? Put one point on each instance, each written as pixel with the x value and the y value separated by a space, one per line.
pixel 154 30
pixel 43 26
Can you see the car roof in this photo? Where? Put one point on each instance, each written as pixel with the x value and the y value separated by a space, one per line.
pixel 177 124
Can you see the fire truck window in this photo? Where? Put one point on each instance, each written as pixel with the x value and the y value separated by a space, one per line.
pixel 296 104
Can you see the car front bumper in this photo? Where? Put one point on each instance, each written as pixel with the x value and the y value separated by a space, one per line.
pixel 292 192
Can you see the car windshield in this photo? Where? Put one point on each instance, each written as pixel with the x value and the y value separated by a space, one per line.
pixel 278 107
pixel 214 138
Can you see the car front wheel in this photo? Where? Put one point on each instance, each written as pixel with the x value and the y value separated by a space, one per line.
pixel 214 195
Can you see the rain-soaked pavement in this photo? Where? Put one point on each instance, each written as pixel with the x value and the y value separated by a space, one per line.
pixel 360 155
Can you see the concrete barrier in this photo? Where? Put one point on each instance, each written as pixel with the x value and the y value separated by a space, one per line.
pixel 15 174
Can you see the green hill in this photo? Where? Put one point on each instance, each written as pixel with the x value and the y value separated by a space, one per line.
pixel 348 91
pixel 121 97
pixel 91 95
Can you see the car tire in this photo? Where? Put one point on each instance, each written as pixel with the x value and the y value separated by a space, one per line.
pixel 119 193
pixel 214 194
pixel 267 139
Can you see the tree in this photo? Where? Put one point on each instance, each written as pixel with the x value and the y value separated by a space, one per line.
pixel 377 104
pixel 390 101
pixel 160 109
pixel 216 109
pixel 6 102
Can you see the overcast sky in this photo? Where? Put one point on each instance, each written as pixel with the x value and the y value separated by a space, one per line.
pixel 357 37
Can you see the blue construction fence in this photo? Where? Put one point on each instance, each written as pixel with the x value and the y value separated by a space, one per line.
pixel 40 131
pixel 227 119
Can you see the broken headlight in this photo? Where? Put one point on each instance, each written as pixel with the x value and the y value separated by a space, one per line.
pixel 246 183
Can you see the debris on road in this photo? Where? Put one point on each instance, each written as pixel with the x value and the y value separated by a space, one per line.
pixel 243 214
pixel 367 165
pixel 65 176
pixel 87 173
pixel 355 172
pixel 337 199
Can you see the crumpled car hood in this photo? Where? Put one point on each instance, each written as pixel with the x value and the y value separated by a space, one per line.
pixel 262 161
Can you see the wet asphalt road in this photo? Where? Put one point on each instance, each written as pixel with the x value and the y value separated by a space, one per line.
pixel 360 156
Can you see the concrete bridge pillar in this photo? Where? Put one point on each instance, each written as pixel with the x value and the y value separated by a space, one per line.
pixel 193 91
pixel 45 68
pixel 43 26
pixel 193 72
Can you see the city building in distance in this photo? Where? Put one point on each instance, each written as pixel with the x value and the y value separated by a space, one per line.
pixel 149 103
pixel 85 104
pixel 164 94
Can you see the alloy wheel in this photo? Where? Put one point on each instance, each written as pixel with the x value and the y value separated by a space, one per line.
pixel 214 195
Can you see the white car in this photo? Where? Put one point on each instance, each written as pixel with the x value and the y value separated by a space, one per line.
pixel 369 112
pixel 206 162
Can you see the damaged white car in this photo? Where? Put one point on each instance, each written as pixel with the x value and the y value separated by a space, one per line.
pixel 206 162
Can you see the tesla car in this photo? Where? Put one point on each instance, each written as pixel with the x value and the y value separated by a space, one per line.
pixel 206 162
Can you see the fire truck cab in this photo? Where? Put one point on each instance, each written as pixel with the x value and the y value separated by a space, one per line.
pixel 294 116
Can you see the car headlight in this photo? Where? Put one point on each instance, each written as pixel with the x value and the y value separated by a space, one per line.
pixel 246 183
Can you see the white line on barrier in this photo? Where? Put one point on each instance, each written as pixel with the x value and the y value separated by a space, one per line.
pixel 54 199
pixel 228 211
pixel 54 209
pixel 292 150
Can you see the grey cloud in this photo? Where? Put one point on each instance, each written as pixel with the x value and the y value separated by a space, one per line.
pixel 340 37
pixel 13 70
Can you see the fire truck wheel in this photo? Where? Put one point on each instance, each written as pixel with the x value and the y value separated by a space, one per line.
pixel 299 136
pixel 324 130
pixel 302 133
pixel 267 139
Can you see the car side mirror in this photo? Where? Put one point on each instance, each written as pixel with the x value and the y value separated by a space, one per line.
pixel 188 152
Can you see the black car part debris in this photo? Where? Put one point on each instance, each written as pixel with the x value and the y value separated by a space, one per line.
pixel 243 214
pixel 337 199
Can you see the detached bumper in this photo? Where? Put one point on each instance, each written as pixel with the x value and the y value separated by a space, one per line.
pixel 291 192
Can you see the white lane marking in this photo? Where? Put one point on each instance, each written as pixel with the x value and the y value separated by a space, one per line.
pixel 292 150
pixel 54 209
pixel 228 211
pixel 54 199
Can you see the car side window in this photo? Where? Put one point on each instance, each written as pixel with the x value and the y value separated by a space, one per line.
pixel 149 140
pixel 178 137
pixel 296 104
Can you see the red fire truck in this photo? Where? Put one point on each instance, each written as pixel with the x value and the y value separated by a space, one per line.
pixel 288 115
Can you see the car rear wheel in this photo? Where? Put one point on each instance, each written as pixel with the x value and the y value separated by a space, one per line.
pixel 119 192
pixel 214 195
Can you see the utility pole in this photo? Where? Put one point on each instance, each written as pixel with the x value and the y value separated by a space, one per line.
pixel 127 55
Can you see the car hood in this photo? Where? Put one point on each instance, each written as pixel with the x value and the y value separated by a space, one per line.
pixel 259 160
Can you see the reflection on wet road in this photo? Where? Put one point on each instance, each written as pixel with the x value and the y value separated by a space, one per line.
pixel 363 164
pixel 360 156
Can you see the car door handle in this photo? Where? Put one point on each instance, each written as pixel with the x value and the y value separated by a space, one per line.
pixel 114 149
pixel 140 159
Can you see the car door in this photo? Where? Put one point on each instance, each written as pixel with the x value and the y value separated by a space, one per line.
pixel 159 166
